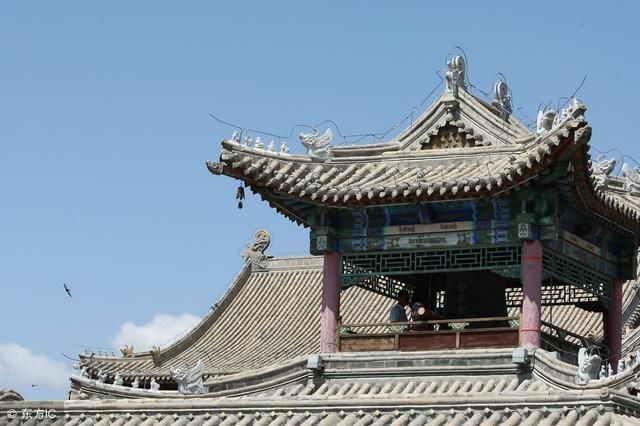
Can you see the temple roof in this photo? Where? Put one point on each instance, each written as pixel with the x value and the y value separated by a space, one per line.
pixel 284 302
pixel 459 148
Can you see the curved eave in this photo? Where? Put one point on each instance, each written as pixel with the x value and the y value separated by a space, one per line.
pixel 612 204
pixel 294 184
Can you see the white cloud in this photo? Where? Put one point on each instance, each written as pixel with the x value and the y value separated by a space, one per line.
pixel 20 369
pixel 160 330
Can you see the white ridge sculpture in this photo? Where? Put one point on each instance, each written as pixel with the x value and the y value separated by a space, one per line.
pixel 589 364
pixel 603 372
pixel 544 121
pixel 236 136
pixel 284 149
pixel 271 147
pixel 631 179
pixel 102 376
pixel 318 146
pixel 602 168
pixel 118 380
pixel 501 98
pixel 258 144
pixel 189 381
pixel 455 75
pixel 153 385
pixel 621 365
pixel 136 383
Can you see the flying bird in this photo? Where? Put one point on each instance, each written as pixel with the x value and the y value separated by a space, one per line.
pixel 67 289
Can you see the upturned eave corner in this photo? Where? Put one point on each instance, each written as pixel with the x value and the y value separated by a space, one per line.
pixel 215 167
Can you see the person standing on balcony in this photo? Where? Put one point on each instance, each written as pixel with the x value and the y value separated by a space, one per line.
pixel 398 313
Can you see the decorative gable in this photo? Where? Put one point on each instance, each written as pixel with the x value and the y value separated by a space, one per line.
pixel 452 135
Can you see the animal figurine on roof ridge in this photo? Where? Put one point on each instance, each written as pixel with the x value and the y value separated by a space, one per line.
pixel 318 146
pixel 189 380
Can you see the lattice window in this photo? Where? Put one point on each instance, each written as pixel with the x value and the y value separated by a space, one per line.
pixel 439 260
pixel 571 272
pixel 557 294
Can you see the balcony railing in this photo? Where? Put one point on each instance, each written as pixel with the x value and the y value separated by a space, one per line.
pixel 467 333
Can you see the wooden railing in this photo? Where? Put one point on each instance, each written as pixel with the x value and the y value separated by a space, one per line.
pixel 491 332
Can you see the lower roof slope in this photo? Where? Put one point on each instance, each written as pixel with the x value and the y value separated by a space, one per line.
pixel 471 387
pixel 263 318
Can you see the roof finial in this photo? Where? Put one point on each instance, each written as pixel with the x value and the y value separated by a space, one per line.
pixel 456 69
pixel 255 251
pixel 501 98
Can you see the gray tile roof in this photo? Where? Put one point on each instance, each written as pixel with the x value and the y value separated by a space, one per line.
pixel 201 414
pixel 447 387
pixel 284 322
pixel 164 413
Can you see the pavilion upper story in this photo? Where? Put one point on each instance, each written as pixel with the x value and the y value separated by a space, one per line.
pixel 462 205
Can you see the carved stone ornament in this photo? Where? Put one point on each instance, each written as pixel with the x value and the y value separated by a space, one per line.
pixel 136 383
pixel 189 380
pixel 631 179
pixel 215 167
pixel 589 365
pixel 456 69
pixel 451 136
pixel 127 351
pixel 602 168
pixel 545 120
pixel 255 251
pixel 318 146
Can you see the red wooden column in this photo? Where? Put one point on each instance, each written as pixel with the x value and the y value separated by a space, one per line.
pixel 531 294
pixel 330 302
pixel 612 323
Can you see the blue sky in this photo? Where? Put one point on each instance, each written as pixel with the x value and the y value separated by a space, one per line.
pixel 105 129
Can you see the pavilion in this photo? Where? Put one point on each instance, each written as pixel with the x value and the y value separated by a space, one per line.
pixel 522 247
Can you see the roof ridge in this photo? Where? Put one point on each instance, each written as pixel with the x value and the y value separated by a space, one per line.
pixel 214 313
